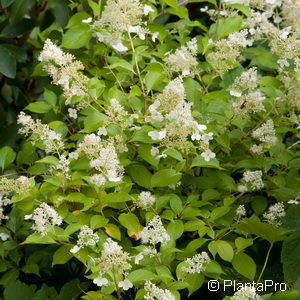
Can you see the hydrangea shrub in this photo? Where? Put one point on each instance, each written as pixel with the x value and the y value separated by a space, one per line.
pixel 164 155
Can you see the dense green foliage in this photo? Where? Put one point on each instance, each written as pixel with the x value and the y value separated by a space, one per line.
pixel 184 116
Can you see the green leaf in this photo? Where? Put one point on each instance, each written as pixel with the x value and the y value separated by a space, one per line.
pixel 7 156
pixel 245 265
pixel 116 197
pixel 242 243
pixel 144 153
pixel 176 204
pixel 31 269
pixel 193 89
pixel 46 293
pixel 62 255
pixel 173 153
pixel 131 223
pixel 6 3
pixel 76 19
pixel 219 212
pixel 113 231
pixel 7 65
pixel 50 97
pixel 164 178
pixel 9 276
pixel 290 257
pixel 140 175
pixel 195 281
pixel 95 7
pixel 39 107
pixel 36 238
pixel 180 11
pixel 198 1
pixel 141 135
pixel 261 57
pixel 175 229
pixel 118 63
pixel 18 9
pixel 72 290
pixel 225 250
pixel 228 25
pixel 19 291
pixel 285 295
pixel 199 161
pixel 77 37
pixel 243 8
pixel 60 10
pixel 93 119
pixel 98 221
pixel 265 231
pixel 141 275
pixel 155 76
pixel 50 160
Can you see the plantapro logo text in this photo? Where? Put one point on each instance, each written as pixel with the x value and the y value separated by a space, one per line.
pixel 215 285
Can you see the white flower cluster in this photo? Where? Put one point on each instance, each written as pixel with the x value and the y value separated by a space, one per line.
pixel 51 140
pixel 149 251
pixel 246 293
pixel 119 17
pixel 154 232
pixel 241 211
pixel 156 293
pixel 86 237
pixel 274 214
pixel 245 89
pixel 103 157
pixel 178 125
pixel 197 263
pixel 3 236
pixel 64 70
pixel 183 61
pixel 108 163
pixel 257 149
pixel 253 179
pixel 44 218
pixel 116 113
pixel 4 201
pixel 227 51
pixel 19 186
pixel 51 52
pixel 62 168
pixel 98 180
pixel 145 200
pixel 113 258
pixel 265 133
